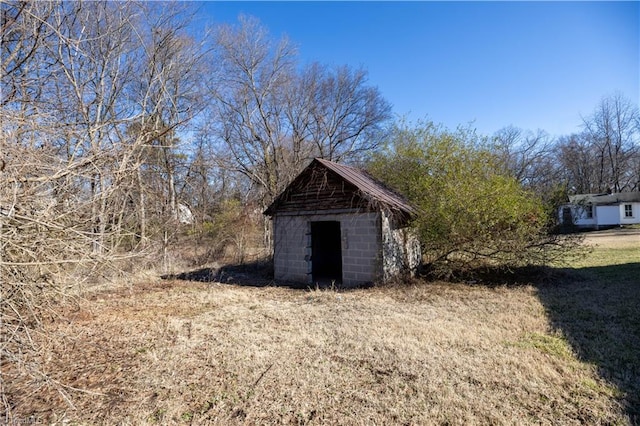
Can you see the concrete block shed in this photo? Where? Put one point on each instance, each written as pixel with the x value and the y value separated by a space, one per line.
pixel 337 224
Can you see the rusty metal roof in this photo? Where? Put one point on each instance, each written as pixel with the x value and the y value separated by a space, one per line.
pixel 369 187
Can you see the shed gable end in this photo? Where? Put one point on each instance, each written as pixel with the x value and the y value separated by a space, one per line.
pixel 317 189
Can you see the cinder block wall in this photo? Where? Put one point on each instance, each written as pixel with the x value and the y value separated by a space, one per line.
pixel 290 249
pixel 361 247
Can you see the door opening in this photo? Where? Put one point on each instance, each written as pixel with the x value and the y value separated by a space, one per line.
pixel 326 253
pixel 567 217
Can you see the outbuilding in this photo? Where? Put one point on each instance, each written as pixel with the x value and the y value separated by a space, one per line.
pixel 336 224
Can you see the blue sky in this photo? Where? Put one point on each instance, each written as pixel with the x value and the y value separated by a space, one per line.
pixel 534 65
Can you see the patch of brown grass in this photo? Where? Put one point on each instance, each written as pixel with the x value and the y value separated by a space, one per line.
pixel 175 352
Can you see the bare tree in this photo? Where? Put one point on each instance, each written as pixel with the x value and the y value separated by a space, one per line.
pixel 72 162
pixel 251 126
pixel 273 118
pixel 528 157
pixel 634 171
pixel 22 36
pixel 346 116
pixel 168 93
pixel 578 164
pixel 45 232
pixel 614 134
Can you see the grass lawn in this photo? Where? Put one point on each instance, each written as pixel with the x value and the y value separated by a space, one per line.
pixel 181 352
pixel 598 311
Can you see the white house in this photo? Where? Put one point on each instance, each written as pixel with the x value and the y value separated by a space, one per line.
pixel 601 210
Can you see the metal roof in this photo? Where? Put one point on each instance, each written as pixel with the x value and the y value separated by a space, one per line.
pixel 615 198
pixel 369 187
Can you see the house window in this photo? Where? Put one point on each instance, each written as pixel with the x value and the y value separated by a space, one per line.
pixel 628 210
pixel 588 212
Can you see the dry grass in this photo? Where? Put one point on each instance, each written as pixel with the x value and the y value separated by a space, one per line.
pixel 180 352
pixel 598 310
pixel 616 239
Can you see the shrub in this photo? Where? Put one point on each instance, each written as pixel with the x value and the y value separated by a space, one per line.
pixel 471 213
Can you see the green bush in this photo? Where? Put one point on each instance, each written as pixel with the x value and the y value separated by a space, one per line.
pixel 471 212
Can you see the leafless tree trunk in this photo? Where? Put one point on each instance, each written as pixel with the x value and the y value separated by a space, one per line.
pixel 271 119
pixel 71 167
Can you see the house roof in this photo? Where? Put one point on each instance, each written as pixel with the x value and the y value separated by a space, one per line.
pixel 604 199
pixel 370 188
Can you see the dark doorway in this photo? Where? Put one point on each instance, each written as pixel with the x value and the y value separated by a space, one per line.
pixel 567 217
pixel 326 252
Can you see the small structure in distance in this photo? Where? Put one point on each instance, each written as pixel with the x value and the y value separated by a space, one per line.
pixel 598 211
pixel 336 224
